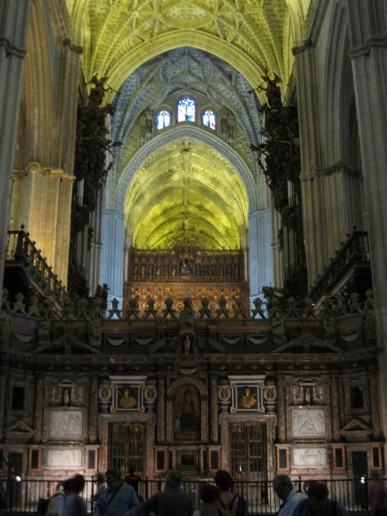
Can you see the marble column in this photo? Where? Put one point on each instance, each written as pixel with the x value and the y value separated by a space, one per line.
pixel 93 411
pixel 14 18
pixel 161 411
pixel 214 425
pixel 368 53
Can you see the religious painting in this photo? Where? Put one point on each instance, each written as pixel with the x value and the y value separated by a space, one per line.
pixel 127 397
pixel 187 413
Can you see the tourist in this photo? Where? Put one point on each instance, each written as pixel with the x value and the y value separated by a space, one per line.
pixel 317 503
pixel 74 504
pixel 173 501
pixel 288 493
pixel 229 501
pixel 119 498
pixel 209 495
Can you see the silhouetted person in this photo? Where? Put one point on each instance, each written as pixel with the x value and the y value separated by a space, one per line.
pixel 173 501
pixel 318 504
pixel 228 499
pixel 118 499
pixel 288 493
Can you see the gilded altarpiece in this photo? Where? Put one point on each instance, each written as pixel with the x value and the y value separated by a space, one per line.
pixel 186 271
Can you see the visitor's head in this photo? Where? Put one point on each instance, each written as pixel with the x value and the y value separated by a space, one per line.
pixel 74 484
pixel 209 493
pixel 223 480
pixel 173 480
pixel 282 485
pixel 318 496
pixel 113 477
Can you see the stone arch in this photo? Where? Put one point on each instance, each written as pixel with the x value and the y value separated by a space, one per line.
pixel 180 38
pixel 196 382
pixel 117 195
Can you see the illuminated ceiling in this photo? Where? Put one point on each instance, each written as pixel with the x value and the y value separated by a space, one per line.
pixel 187 191
pixel 151 50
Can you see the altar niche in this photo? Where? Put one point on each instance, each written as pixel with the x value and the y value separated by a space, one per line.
pixel 187 414
pixel 187 417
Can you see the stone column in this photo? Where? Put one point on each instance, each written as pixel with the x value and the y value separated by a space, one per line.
pixel 38 186
pixel 311 182
pixel 112 254
pixel 368 53
pixel 14 18
pixel 261 258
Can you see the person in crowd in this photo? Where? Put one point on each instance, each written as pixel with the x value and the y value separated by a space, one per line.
pixel 209 496
pixel 378 495
pixel 317 503
pixel 74 504
pixel 173 501
pixel 119 498
pixel 288 493
pixel 229 501
pixel 100 485
pixel 55 504
pixel 133 480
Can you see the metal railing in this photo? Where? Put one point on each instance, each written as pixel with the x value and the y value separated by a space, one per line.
pixel 24 495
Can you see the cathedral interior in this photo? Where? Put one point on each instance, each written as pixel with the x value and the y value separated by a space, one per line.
pixel 193 237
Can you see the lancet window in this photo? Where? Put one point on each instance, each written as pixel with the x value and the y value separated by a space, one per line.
pixel 163 119
pixel 186 109
pixel 209 119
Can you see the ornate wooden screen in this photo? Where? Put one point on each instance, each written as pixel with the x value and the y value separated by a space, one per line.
pixel 186 271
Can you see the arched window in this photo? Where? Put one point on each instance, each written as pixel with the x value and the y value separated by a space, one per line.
pixel 186 110
pixel 209 119
pixel 163 119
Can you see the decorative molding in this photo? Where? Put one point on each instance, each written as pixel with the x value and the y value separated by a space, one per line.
pixel 308 44
pixel 10 50
pixel 74 48
pixel 364 50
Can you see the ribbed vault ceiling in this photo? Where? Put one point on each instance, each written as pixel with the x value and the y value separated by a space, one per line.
pixel 187 191
pixel 151 49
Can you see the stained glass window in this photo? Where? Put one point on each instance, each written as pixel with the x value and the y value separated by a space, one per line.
pixel 186 110
pixel 163 119
pixel 209 119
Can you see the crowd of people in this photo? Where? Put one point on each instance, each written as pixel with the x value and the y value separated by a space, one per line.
pixel 117 497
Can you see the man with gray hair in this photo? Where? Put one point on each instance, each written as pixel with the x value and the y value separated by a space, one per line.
pixel 173 501
pixel 290 495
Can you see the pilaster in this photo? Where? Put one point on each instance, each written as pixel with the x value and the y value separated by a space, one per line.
pixel 260 255
pixel 368 53
pixel 14 18
pixel 112 254
pixel 42 203
pixel 311 183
